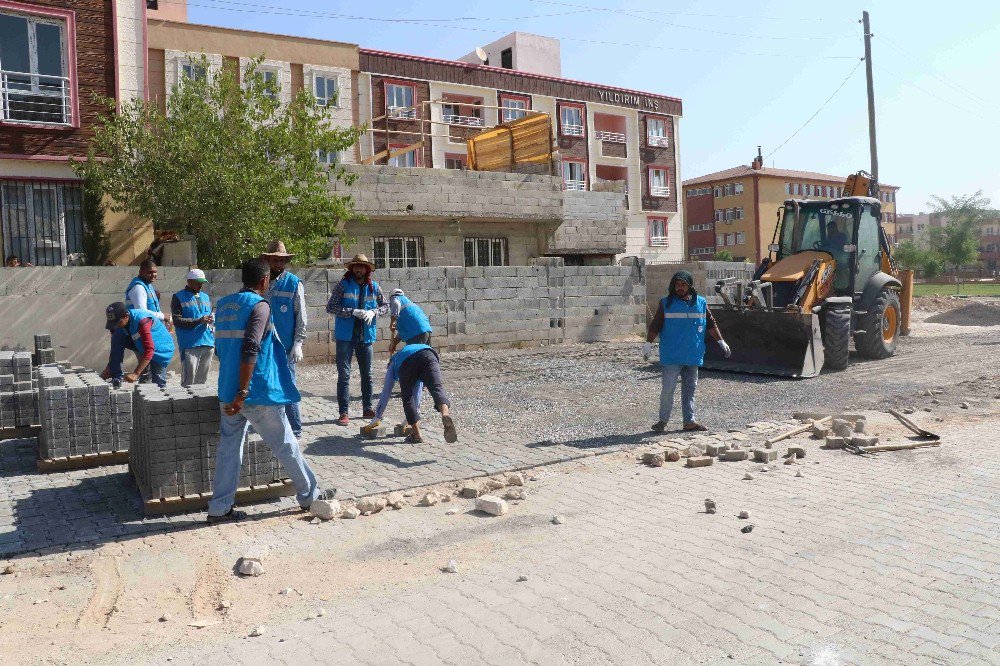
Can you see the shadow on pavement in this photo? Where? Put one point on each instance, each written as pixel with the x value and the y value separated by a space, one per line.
pixel 379 450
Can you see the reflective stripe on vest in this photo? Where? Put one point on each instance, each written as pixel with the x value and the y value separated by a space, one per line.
pixel 281 296
pixel 682 338
pixel 194 306
pixel 343 327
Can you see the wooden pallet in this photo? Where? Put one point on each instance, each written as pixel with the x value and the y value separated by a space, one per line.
pixel 199 501
pixel 21 432
pixel 83 461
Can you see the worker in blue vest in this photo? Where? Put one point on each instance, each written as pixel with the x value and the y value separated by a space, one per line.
pixel 409 325
pixel 287 297
pixel 191 311
pixel 419 364
pixel 255 385
pixel 680 321
pixel 139 295
pixel 356 303
pixel 153 345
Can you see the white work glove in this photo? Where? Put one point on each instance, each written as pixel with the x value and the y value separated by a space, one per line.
pixel 726 351
pixel 296 354
pixel 647 349
pixel 360 314
pixel 368 316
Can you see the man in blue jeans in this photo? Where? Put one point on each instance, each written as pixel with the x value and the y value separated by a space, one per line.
pixel 356 303
pixel 287 298
pixel 148 336
pixel 255 385
pixel 680 321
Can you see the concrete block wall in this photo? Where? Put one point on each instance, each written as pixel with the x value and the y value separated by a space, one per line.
pixel 592 222
pixel 706 274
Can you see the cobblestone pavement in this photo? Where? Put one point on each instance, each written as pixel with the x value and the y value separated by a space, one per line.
pixel 515 410
pixel 875 560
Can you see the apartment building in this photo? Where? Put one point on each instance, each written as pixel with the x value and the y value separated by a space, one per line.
pixel 736 209
pixel 915 227
pixel 55 57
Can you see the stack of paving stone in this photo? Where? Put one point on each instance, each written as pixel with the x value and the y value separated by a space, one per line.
pixel 81 414
pixel 44 353
pixel 18 400
pixel 174 439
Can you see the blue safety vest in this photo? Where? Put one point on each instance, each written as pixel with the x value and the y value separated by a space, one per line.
pixel 344 327
pixel 406 352
pixel 152 302
pixel 271 382
pixel 281 296
pixel 194 306
pixel 412 320
pixel 682 339
pixel 163 344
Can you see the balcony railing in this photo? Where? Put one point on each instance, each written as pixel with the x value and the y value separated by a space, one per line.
pixel 580 185
pixel 660 190
pixel 572 130
pixel 610 137
pixel 34 98
pixel 658 141
pixel 401 112
pixel 658 241
pixel 468 121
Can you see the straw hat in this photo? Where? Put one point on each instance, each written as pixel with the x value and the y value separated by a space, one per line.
pixel 276 249
pixel 359 259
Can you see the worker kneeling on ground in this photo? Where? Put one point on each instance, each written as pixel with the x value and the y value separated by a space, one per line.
pixel 414 364
pixel 680 322
pixel 150 338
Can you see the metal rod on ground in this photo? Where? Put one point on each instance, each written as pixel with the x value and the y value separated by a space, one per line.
pixel 897 447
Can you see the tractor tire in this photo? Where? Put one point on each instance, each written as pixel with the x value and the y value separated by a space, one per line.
pixel 881 327
pixel 836 338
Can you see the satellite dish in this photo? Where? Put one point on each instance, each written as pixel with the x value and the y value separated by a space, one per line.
pixel 482 54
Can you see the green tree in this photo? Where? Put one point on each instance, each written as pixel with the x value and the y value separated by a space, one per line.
pixel 228 163
pixel 957 243
pixel 96 245
pixel 913 255
pixel 723 255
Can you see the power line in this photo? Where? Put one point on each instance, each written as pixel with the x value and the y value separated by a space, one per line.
pixel 842 83
pixel 723 16
pixel 271 10
pixel 929 93
pixel 934 72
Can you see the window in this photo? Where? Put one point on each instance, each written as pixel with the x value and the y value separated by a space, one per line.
pixel 788 188
pixel 727 189
pixel 507 58
pixel 720 240
pixel 399 101
pixel 191 71
pixel 456 113
pixel 739 213
pixel 657 230
pixel 718 215
pixel 717 191
pixel 453 161
pixel 328 157
pixel 659 186
pixel 656 132
pixel 741 238
pixel 485 251
pixel 34 86
pixel 326 90
pixel 407 159
pixel 398 252
pixel 514 107
pixel 574 175
pixel 739 188
pixel 42 221
pixel 571 119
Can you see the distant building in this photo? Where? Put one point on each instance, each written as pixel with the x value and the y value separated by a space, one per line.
pixel 736 209
pixel 915 227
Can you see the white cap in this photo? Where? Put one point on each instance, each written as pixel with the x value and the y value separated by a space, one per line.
pixel 397 292
pixel 197 274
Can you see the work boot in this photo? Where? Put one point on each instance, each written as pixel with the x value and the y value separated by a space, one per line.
pixel 369 414
pixel 232 515
pixel 694 427
pixel 328 494
pixel 344 420
pixel 659 426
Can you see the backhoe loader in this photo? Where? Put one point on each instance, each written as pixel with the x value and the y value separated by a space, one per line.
pixel 829 276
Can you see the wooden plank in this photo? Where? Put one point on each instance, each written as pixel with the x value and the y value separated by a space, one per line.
pixel 84 461
pixel 389 155
pixel 20 432
pixel 198 502
pixel 897 447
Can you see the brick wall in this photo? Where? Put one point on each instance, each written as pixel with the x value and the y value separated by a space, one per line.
pixel 470 308
pixel 593 222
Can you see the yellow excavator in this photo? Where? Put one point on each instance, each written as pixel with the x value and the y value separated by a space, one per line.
pixel 829 276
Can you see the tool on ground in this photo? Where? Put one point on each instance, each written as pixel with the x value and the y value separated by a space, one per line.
pixel 829 277
pixel 795 431
pixel 913 426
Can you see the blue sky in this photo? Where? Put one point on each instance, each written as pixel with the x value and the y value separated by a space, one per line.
pixel 749 73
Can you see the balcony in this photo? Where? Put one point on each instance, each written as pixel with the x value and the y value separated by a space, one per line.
pixel 657 141
pixel 610 137
pixel 578 185
pixel 34 98
pixel 465 121
pixel 402 112
pixel 572 130
pixel 660 190
pixel 659 241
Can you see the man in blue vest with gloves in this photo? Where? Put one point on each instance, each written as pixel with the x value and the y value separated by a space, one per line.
pixel 192 315
pixel 287 298
pixel 139 295
pixel 681 321
pixel 149 337
pixel 355 303
pixel 255 385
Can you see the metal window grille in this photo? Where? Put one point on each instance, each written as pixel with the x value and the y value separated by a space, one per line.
pixel 33 88
pixel 486 252
pixel 42 221
pixel 398 251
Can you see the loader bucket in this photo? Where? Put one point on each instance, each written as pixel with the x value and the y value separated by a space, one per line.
pixel 767 342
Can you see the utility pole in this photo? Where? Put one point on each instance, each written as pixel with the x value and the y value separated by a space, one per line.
pixel 871 95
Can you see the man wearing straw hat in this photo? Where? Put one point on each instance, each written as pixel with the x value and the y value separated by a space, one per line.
pixel 287 298
pixel 355 303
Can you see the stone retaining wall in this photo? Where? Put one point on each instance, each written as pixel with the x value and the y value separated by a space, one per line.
pixel 706 274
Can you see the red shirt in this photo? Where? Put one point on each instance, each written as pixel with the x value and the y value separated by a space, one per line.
pixel 146 335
